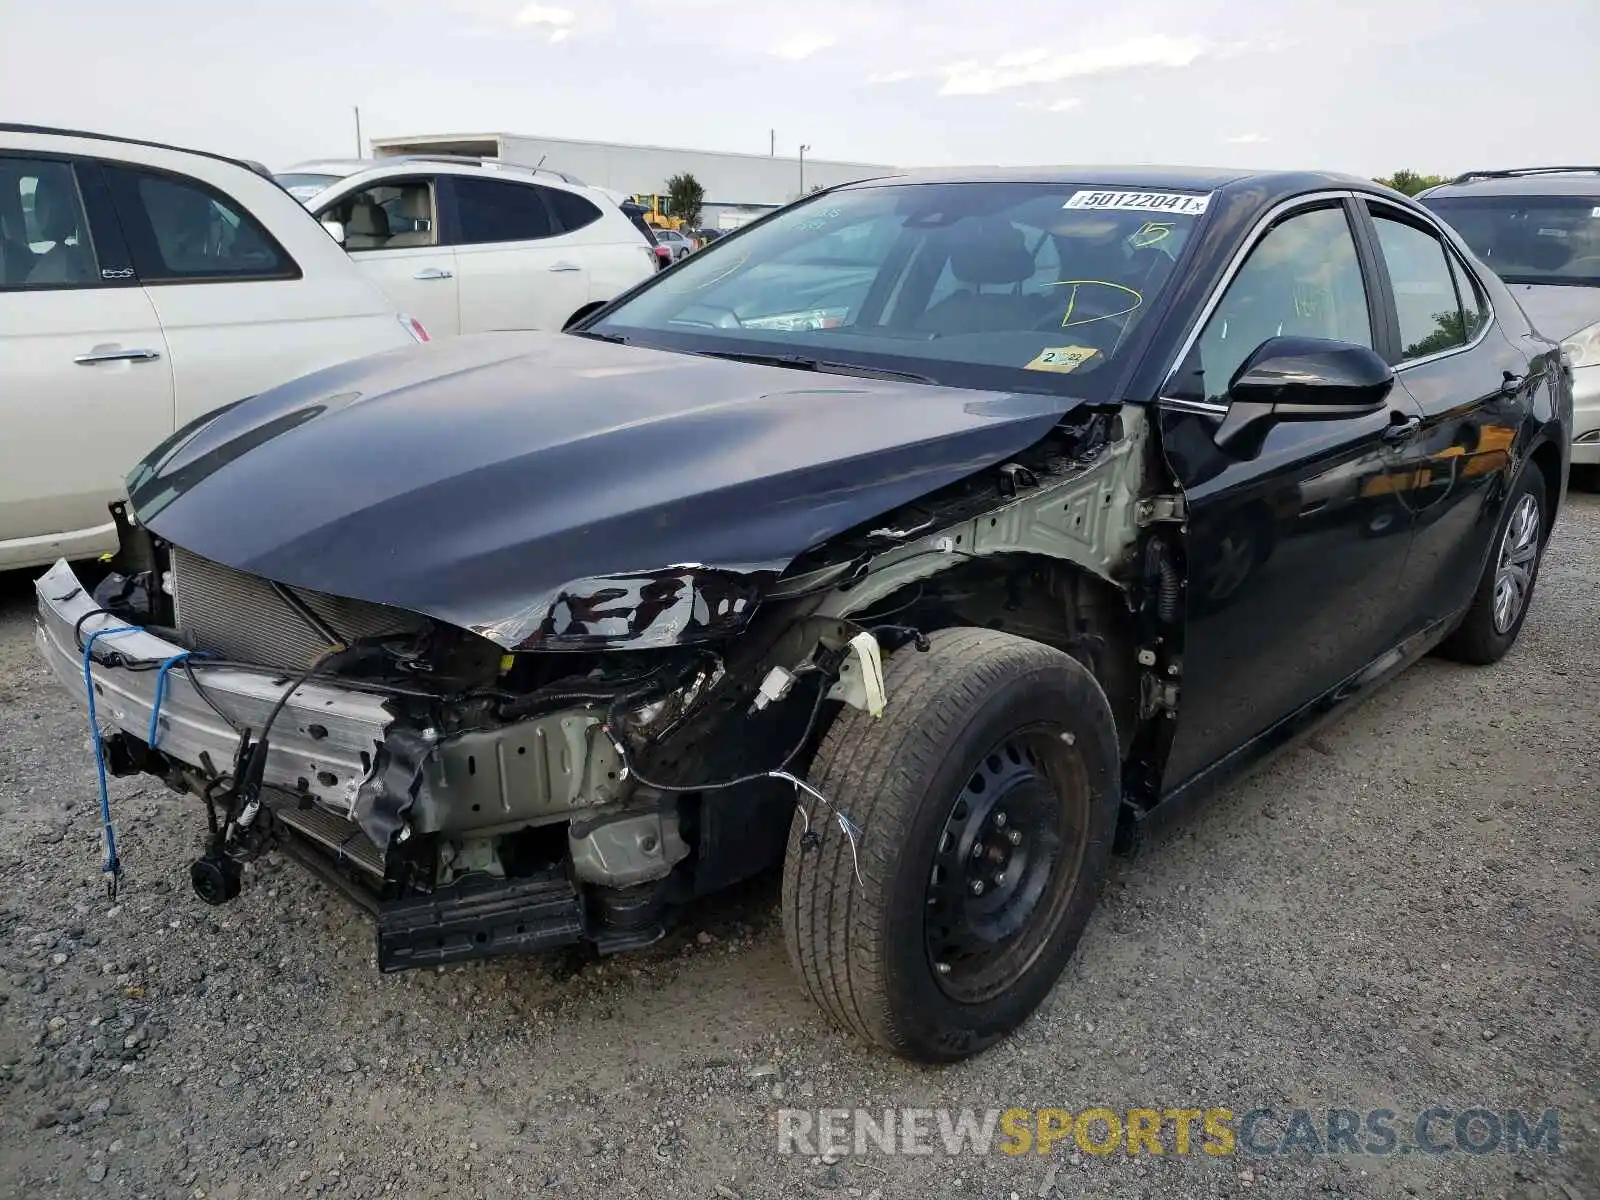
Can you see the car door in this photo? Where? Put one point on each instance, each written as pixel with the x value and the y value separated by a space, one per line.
pixel 87 376
pixel 1290 591
pixel 238 313
pixel 1471 386
pixel 517 270
pixel 392 231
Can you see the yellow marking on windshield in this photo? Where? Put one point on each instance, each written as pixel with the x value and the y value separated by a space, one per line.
pixel 1150 233
pixel 1072 301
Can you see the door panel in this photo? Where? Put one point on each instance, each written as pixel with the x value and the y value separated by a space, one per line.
pixel 1294 557
pixel 521 285
pixel 420 280
pixel 73 429
pixel 1469 384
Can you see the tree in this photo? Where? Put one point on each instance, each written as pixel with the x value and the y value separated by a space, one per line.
pixel 686 196
pixel 1410 182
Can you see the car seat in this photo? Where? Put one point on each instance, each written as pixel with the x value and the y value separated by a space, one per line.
pixel 993 253
pixel 416 203
pixel 367 227
pixel 55 214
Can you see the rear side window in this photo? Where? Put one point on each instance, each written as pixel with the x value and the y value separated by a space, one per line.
pixel 1474 305
pixel 492 211
pixel 44 235
pixel 1430 315
pixel 572 211
pixel 181 230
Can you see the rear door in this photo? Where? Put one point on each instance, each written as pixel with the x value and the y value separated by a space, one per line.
pixel 239 314
pixel 1291 586
pixel 87 377
pixel 518 270
pixel 392 231
pixel 1471 389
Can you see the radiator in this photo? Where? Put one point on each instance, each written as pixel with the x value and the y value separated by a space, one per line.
pixel 243 617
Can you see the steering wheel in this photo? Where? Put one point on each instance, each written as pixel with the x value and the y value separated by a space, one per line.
pixel 1092 300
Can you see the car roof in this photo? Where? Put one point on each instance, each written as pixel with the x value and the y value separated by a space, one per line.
pixel 53 131
pixel 330 166
pixel 1521 181
pixel 1269 185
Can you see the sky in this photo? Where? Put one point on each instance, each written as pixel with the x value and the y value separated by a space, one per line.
pixel 1366 86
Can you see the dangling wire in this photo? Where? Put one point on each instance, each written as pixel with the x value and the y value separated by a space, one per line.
pixel 113 864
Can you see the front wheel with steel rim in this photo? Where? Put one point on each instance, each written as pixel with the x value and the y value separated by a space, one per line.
pixel 1500 603
pixel 986 799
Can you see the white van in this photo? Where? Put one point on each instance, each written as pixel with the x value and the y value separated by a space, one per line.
pixel 140 286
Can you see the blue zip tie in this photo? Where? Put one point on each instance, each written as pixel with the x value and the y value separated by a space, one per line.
pixel 113 865
pixel 161 692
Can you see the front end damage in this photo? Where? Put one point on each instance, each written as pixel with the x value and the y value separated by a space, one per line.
pixel 580 769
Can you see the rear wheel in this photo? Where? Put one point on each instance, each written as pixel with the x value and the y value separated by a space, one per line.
pixel 1500 604
pixel 986 799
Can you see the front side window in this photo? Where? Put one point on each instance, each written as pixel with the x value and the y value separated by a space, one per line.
pixel 397 214
pixel 1303 279
pixel 1425 299
pixel 1530 239
pixel 991 285
pixel 44 235
pixel 494 211
pixel 179 229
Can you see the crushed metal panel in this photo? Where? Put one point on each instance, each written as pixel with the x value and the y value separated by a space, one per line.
pixel 1089 517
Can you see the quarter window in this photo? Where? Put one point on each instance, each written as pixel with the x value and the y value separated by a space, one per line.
pixel 1430 315
pixel 1474 306
pixel 179 229
pixel 572 210
pixel 44 235
pixel 493 211
pixel 1303 279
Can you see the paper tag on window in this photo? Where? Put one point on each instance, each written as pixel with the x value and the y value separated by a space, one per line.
pixel 1061 358
pixel 1165 202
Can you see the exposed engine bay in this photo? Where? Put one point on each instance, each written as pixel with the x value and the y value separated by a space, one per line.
pixel 646 746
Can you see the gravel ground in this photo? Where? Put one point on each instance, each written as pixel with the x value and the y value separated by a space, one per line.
pixel 1400 912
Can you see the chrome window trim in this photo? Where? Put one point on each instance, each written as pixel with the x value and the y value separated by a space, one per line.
pixel 1261 229
pixel 1376 202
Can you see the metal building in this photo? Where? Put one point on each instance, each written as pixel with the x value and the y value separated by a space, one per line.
pixel 738 187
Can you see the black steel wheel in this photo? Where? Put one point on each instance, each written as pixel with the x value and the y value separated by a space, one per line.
pixel 986 797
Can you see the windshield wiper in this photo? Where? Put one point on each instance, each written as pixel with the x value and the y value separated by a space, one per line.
pixel 798 362
pixel 599 337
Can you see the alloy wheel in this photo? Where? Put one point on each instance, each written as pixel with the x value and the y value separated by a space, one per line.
pixel 1519 553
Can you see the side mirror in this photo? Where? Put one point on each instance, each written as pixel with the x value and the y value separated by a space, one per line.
pixel 335 229
pixel 1301 379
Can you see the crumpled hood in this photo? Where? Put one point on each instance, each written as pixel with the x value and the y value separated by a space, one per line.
pixel 1558 310
pixel 501 482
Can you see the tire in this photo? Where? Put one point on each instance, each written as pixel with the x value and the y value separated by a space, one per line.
pixel 1481 639
pixel 978 705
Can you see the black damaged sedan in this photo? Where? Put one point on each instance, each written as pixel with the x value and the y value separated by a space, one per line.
pixel 930 537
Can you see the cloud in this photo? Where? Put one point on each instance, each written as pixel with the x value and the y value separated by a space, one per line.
pixel 890 77
pixel 543 14
pixel 1248 139
pixel 1033 67
pixel 1065 104
pixel 801 45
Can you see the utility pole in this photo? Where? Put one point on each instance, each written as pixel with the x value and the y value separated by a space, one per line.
pixel 803 150
pixel 772 150
pixel 360 151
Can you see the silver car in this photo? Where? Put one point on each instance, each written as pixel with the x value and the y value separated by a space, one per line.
pixel 674 241
pixel 1538 228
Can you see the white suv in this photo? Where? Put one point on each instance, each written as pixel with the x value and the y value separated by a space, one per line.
pixel 474 245
pixel 140 286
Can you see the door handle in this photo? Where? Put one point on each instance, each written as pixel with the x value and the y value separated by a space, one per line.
pixel 100 356
pixel 1401 429
pixel 565 266
pixel 434 273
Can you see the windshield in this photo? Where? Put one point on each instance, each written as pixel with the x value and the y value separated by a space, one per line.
pixel 1530 239
pixel 304 185
pixel 990 285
